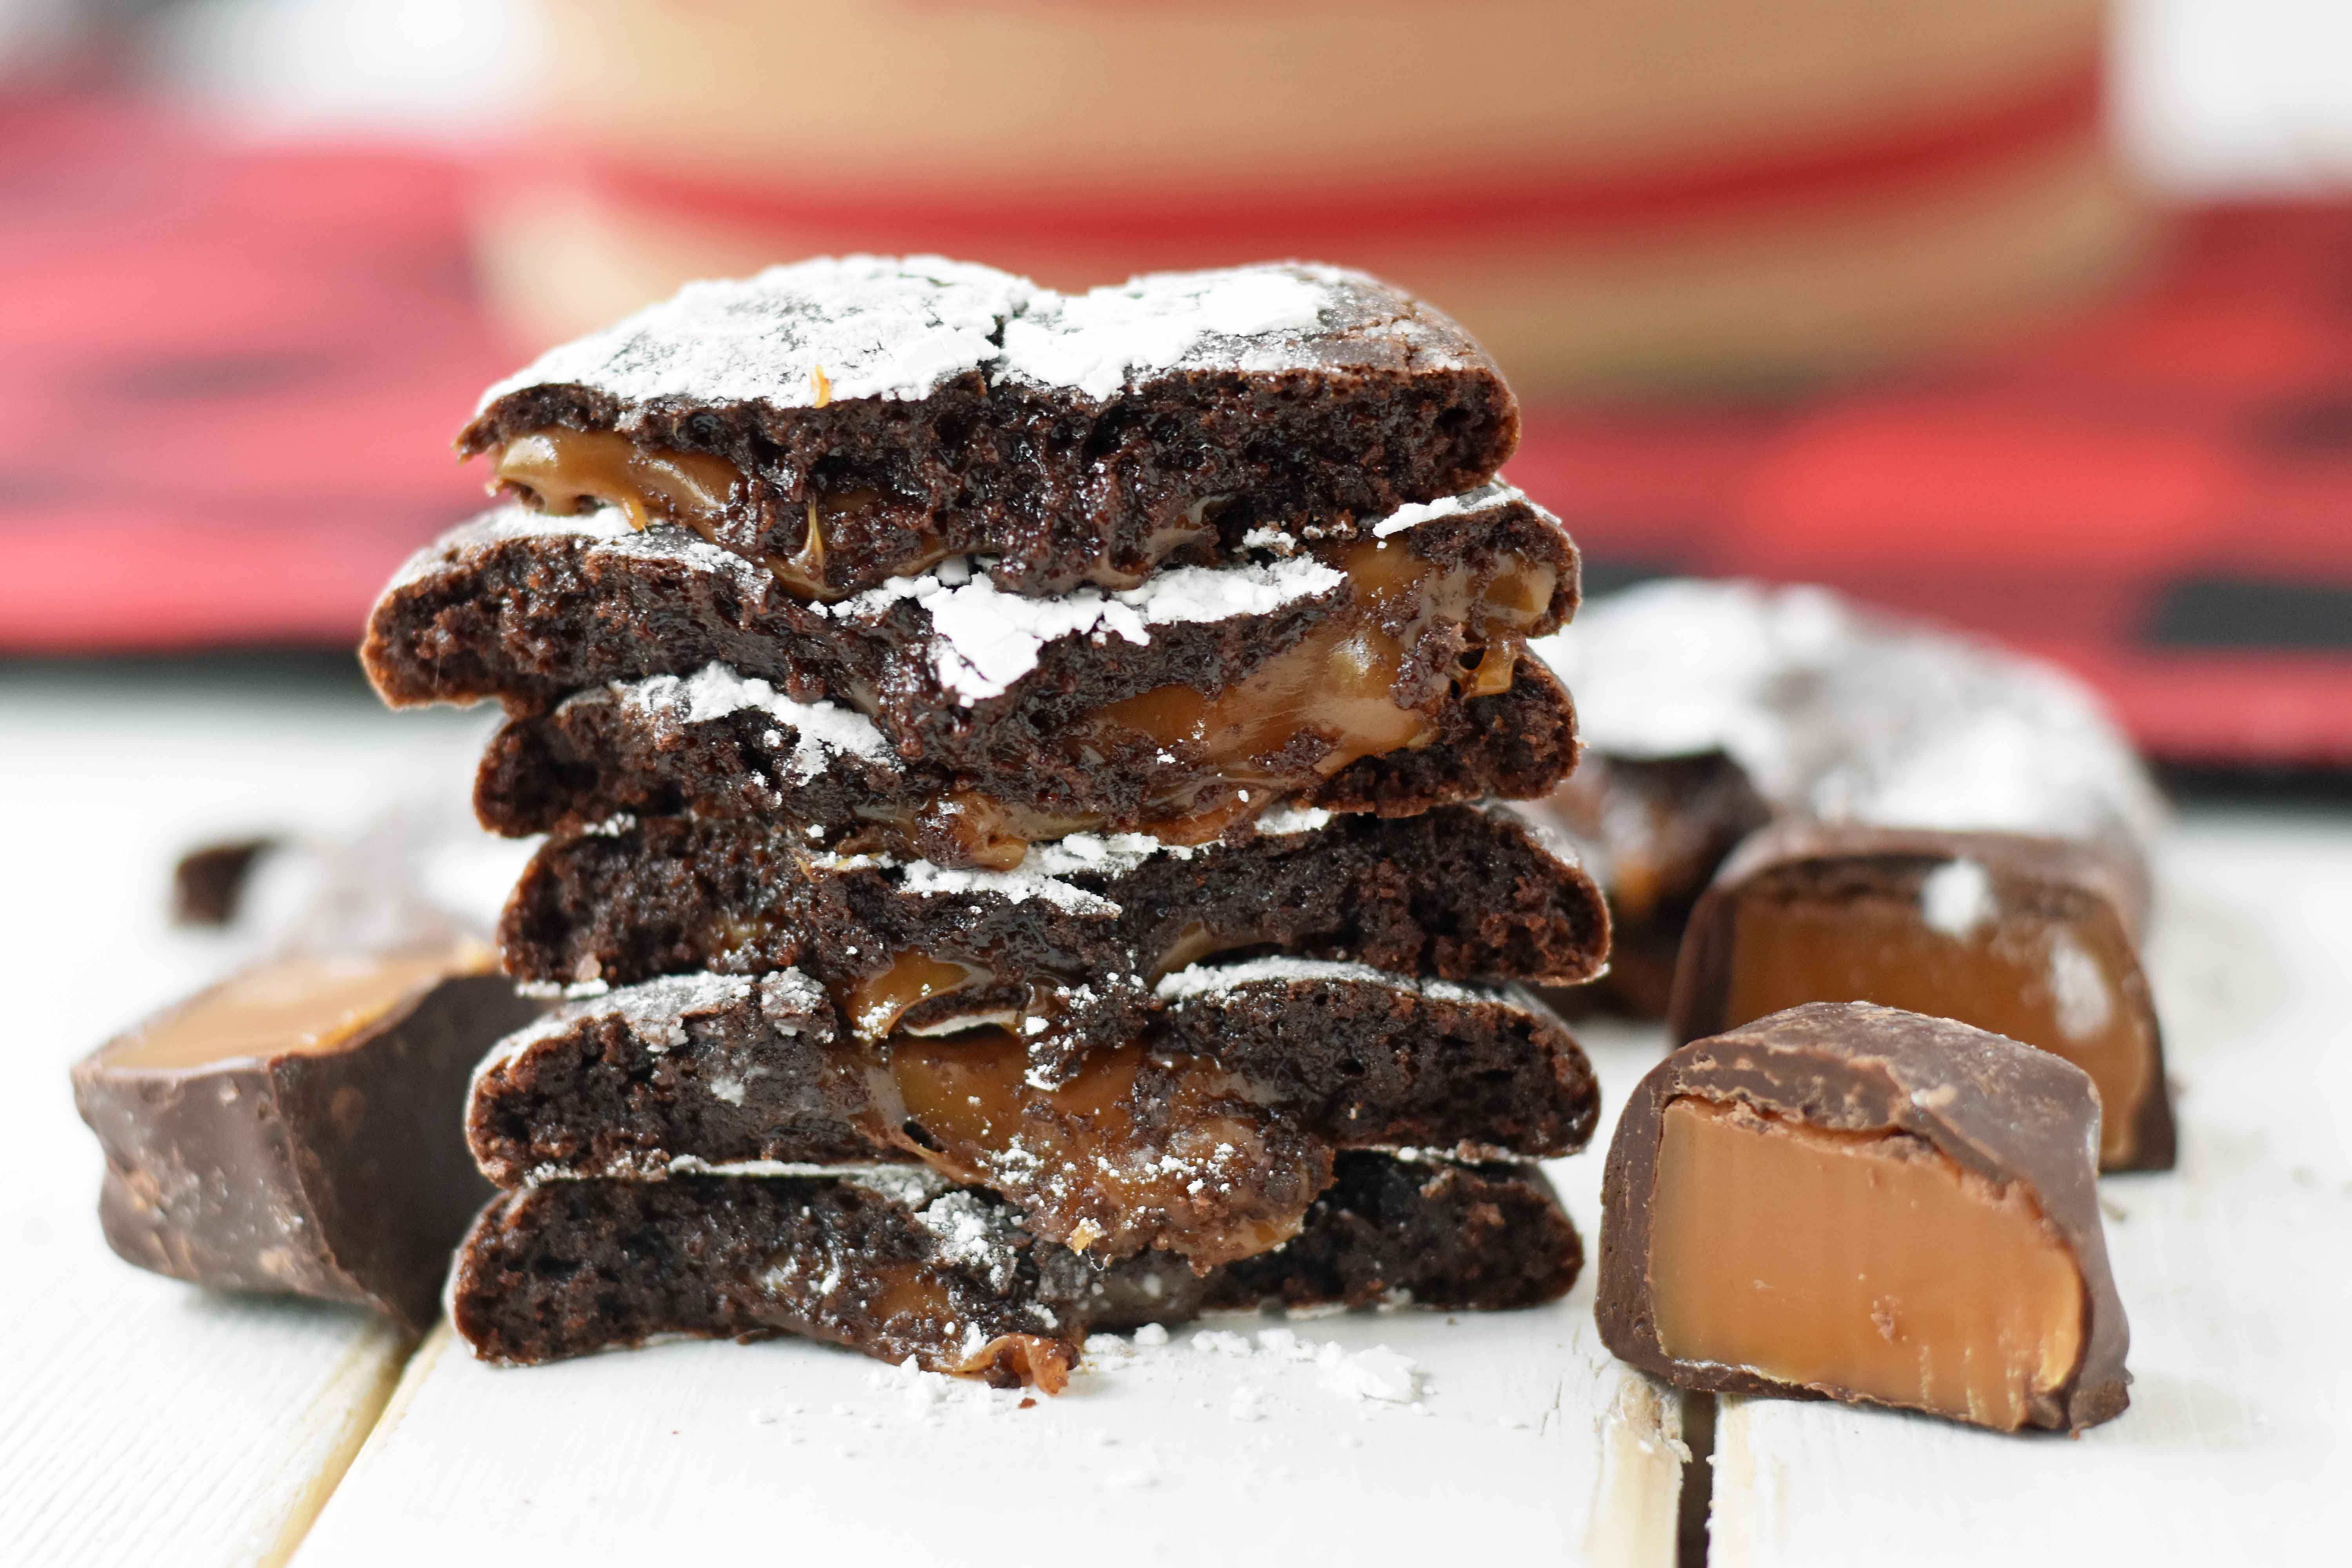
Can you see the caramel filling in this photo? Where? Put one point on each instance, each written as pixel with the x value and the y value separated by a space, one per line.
pixel 306 1006
pixel 1859 1264
pixel 1335 686
pixel 2054 984
pixel 1192 1162
pixel 904 1308
pixel 565 471
pixel 969 828
pixel 875 1003
pixel 569 471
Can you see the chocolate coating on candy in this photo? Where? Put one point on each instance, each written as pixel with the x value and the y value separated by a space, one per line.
pixel 208 882
pixel 1654 831
pixel 2031 938
pixel 1076 439
pixel 893 1266
pixel 296 1131
pixel 2011 1120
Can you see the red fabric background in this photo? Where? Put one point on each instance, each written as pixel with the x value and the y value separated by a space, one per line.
pixel 228 378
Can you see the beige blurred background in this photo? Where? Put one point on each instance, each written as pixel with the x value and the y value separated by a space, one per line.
pixel 1610 192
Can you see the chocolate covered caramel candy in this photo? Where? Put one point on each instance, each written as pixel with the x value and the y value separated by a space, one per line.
pixel 2036 939
pixel 1707 708
pixel 1654 830
pixel 1851 1202
pixel 297 1129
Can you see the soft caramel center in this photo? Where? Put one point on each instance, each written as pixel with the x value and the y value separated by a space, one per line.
pixel 1869 1264
pixel 304 1006
pixel 569 471
pixel 1087 1159
pixel 1338 684
pixel 875 1003
pixel 2054 984
pixel 565 471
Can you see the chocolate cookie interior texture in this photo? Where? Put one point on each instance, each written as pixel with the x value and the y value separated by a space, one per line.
pixel 1376 666
pixel 1205 1128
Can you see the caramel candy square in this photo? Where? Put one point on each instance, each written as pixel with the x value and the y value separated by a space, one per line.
pixel 297 1129
pixel 1845 1201
pixel 2036 939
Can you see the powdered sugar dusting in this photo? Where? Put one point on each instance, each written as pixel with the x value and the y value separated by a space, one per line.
pixel 973 1234
pixel 873 326
pixel 821 729
pixel 1289 818
pixel 986 639
pixel 1847 715
pixel 1099 342
pixel 1040 875
pixel 1214 979
pixel 801 335
pixel 1955 898
pixel 1494 492
pixel 2078 988
pixel 790 1002
pixel 654 1012
pixel 601 534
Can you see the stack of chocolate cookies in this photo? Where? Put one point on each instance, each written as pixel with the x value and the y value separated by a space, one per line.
pixel 1016 769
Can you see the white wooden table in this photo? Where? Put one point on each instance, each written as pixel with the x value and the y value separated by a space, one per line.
pixel 144 1421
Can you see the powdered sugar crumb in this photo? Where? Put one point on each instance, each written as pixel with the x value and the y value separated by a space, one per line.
pixel 986 639
pixel 1287 818
pixel 1380 1374
pixel 875 327
pixel 1098 343
pixel 1212 979
pixel 655 1012
pixel 1956 898
pixel 1041 869
pixel 1494 492
pixel 821 729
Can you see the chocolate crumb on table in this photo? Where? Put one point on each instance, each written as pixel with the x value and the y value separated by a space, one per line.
pixel 208 882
